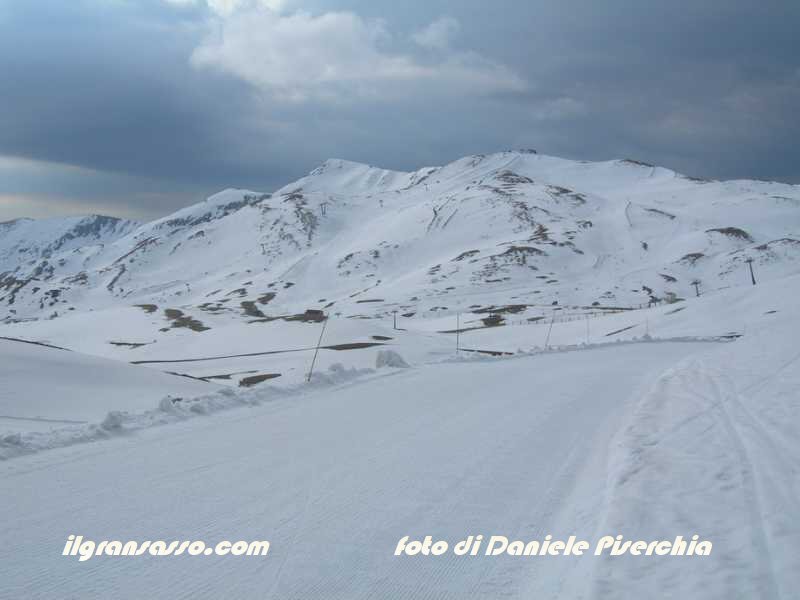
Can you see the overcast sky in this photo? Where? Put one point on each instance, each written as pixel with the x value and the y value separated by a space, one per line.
pixel 138 107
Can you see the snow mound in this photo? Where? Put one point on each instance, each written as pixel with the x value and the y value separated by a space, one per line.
pixel 390 358
pixel 170 409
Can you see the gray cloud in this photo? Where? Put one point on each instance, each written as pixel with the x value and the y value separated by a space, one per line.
pixel 160 103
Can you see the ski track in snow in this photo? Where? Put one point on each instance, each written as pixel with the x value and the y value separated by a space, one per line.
pixel 695 454
pixel 723 401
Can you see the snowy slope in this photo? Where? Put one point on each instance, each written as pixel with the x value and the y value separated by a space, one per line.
pixel 23 242
pixel 335 477
pixel 713 447
pixel 584 443
pixel 34 251
pixel 44 388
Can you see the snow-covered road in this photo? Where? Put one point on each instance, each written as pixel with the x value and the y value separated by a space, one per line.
pixel 334 478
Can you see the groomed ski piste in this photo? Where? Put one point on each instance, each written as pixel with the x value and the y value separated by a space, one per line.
pixel 649 420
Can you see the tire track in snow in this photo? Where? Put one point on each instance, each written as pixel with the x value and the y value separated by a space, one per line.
pixel 775 479
pixel 753 494
pixel 686 453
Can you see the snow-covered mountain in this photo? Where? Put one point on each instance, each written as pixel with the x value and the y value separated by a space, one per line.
pixel 24 243
pixel 507 229
pixel 534 384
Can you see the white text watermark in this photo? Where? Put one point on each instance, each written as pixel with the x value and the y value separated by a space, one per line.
pixel 608 545
pixel 85 549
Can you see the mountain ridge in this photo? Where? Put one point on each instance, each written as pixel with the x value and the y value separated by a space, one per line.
pixel 517 224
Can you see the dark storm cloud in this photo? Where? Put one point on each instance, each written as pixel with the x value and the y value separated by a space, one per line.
pixel 157 111
pixel 107 85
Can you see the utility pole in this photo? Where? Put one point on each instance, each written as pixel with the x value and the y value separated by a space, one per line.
pixel 458 332
pixel 587 328
pixel 696 284
pixel 547 341
pixel 316 350
pixel 749 261
pixel 394 312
